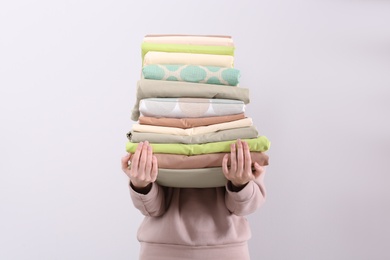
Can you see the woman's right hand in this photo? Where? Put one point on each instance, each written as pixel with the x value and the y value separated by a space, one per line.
pixel 143 167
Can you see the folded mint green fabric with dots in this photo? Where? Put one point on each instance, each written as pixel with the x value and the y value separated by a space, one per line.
pixel 192 73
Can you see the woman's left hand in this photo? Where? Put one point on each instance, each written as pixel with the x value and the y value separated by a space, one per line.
pixel 240 171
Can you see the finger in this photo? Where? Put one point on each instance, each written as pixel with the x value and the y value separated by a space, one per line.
pixel 247 159
pixel 148 166
pixel 233 158
pixel 143 158
pixel 126 156
pixel 240 158
pixel 154 172
pixel 135 160
pixel 125 161
pixel 225 169
pixel 259 170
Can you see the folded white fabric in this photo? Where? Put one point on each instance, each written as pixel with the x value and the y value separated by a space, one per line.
pixel 148 88
pixel 190 107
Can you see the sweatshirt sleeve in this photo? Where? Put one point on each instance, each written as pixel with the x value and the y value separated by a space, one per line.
pixel 247 200
pixel 151 204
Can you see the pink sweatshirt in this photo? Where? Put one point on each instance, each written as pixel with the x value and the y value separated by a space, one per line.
pixel 190 223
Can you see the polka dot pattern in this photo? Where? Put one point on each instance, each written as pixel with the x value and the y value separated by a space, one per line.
pixel 153 107
pixel 193 107
pixel 193 74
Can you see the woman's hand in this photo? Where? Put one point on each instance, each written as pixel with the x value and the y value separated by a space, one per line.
pixel 240 171
pixel 143 168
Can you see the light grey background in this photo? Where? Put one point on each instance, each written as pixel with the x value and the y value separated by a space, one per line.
pixel 318 72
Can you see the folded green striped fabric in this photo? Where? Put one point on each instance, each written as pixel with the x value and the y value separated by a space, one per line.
pixel 259 144
pixel 192 73
pixel 186 48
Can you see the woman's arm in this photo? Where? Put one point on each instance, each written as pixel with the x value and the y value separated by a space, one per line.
pixel 152 203
pixel 245 190
pixel 248 199
pixel 147 196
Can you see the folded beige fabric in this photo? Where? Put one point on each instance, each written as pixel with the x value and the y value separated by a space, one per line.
pixel 188 122
pixel 220 136
pixel 191 178
pixel 191 40
pixel 194 130
pixel 148 88
pixel 179 58
pixel 177 161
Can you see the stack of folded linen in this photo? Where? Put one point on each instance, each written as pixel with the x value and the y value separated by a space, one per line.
pixel 190 109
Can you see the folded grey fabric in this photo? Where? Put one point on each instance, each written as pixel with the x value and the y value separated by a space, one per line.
pixel 219 136
pixel 191 178
pixel 148 88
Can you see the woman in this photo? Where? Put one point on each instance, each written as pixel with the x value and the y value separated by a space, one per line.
pixel 195 223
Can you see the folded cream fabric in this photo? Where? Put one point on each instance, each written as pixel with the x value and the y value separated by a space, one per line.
pixel 153 57
pixel 188 122
pixel 194 130
pixel 148 88
pixel 200 35
pixel 192 73
pixel 186 48
pixel 190 107
pixel 178 161
pixel 223 135
pixel 259 144
pixel 191 178
pixel 190 39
